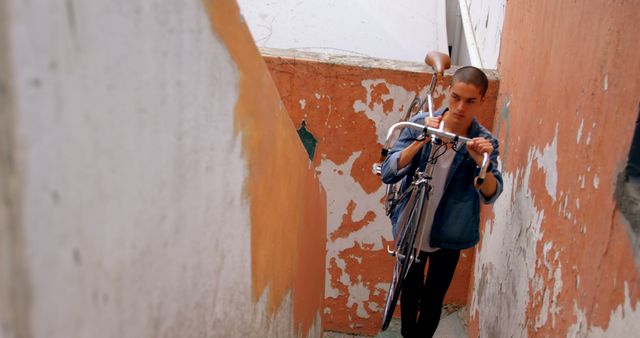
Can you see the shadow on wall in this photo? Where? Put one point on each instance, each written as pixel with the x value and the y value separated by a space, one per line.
pixel 628 191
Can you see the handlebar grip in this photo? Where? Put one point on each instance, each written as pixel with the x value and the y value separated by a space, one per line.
pixel 486 166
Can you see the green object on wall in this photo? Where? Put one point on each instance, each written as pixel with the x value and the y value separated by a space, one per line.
pixel 308 140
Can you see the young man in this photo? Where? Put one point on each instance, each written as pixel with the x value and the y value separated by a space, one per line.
pixel 452 215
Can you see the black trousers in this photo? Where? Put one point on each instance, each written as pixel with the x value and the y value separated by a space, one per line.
pixel 426 297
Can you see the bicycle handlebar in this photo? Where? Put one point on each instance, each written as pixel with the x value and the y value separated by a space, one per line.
pixel 426 130
pixel 483 169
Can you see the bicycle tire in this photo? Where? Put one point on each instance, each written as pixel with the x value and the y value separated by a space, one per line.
pixel 405 254
pixel 414 108
pixel 392 189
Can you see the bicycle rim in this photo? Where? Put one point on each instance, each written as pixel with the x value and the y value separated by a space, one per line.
pixel 414 108
pixel 402 264
pixel 392 296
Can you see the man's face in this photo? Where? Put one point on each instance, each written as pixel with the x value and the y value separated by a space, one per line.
pixel 465 102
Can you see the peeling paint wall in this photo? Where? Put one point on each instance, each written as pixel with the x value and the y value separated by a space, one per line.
pixel 152 182
pixel 348 104
pixel 555 258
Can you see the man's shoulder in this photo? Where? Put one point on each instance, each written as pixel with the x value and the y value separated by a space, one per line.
pixel 480 130
pixel 419 117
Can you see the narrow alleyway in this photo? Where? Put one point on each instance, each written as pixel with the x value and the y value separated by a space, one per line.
pixel 451 326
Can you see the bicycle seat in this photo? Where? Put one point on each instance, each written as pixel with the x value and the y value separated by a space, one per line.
pixel 438 61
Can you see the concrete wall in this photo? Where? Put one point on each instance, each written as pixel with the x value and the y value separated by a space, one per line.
pixel 481 22
pixel 369 28
pixel 152 182
pixel 348 104
pixel 555 258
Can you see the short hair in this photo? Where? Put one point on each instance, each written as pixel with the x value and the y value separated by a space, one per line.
pixel 473 76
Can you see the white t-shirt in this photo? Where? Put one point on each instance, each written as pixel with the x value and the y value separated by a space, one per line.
pixel 439 178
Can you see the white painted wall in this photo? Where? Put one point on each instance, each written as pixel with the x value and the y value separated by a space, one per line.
pixel 404 30
pixel 481 21
pixel 132 224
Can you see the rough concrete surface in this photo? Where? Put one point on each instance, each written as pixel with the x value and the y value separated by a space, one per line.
pixel 126 207
pixel 452 325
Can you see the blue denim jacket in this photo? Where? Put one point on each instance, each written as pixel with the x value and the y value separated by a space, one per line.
pixel 457 218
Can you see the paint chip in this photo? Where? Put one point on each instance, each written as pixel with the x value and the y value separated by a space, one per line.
pixel 580 132
pixel 547 160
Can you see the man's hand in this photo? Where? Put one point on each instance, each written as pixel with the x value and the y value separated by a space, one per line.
pixel 477 146
pixel 407 154
pixel 433 122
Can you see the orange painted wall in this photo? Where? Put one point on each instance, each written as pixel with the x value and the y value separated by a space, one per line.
pixel 569 94
pixel 288 204
pixel 330 94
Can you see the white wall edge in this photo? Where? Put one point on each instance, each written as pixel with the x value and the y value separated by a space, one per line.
pixel 470 37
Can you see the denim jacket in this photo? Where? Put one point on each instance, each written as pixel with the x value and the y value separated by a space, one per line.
pixel 457 218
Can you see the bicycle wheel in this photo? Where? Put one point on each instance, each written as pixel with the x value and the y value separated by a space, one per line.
pixel 391 193
pixel 405 253
pixel 414 108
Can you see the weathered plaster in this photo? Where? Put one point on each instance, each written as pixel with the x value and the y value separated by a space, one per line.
pixel 502 131
pixel 624 321
pixel 269 143
pixel 504 267
pixel 397 96
pixel 579 135
pixel 120 221
pixel 126 176
pixel 573 279
pixel 15 288
pixel 263 322
pixel 345 194
pixel 547 160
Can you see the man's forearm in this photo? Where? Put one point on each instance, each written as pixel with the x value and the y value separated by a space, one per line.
pixel 408 153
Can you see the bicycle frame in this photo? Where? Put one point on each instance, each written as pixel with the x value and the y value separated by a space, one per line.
pixel 439 62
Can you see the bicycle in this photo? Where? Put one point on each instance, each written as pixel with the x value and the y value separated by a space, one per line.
pixel 439 63
pixel 405 252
